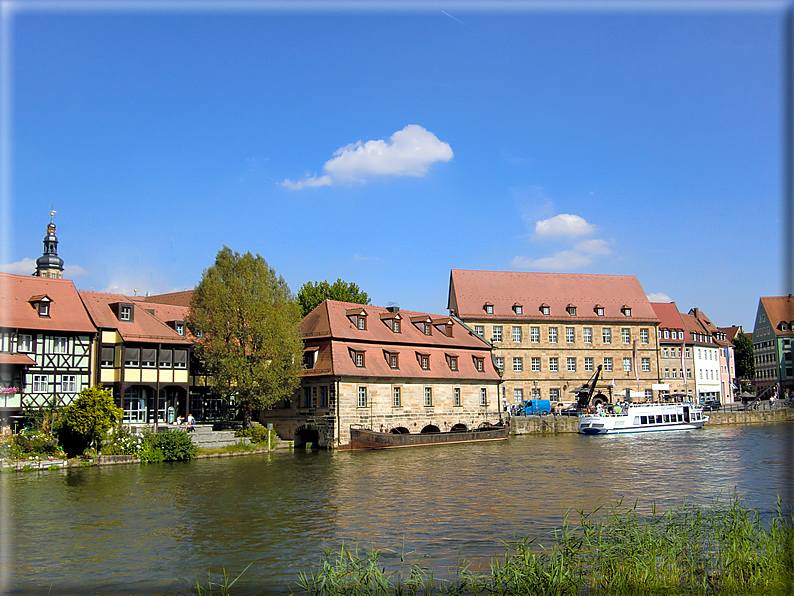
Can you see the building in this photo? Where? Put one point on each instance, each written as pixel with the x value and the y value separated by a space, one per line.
pixel 388 370
pixel 144 360
pixel 772 343
pixel 549 331
pixel 676 361
pixel 725 354
pixel 46 342
pixel 49 264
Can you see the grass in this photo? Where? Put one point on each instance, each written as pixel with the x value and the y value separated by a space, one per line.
pixel 238 447
pixel 719 550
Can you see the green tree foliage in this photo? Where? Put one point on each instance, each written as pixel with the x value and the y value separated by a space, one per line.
pixel 250 341
pixel 86 421
pixel 311 294
pixel 745 361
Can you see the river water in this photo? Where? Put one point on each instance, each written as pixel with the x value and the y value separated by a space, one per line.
pixel 157 529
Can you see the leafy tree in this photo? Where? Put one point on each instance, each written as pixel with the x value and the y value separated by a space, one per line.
pixel 86 421
pixel 745 361
pixel 250 342
pixel 311 294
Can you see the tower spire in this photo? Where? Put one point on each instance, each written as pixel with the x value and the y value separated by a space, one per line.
pixel 50 264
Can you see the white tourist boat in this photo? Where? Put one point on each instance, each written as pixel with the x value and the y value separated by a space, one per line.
pixel 636 418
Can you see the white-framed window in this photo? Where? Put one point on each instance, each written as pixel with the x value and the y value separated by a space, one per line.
pixel 675 373
pixel 646 365
pixel 627 364
pixel 500 363
pixel 489 309
pixel 396 325
pixel 544 310
pixel 59 345
pixel 180 358
pixel 587 335
pixel 497 333
pixel 535 364
pixel 394 361
pixel 644 336
pixel 518 364
pixel 107 357
pixel 599 311
pixel 362 323
pixel 360 359
pixel 606 335
pixel 68 384
pixel 517 334
pixel 180 328
pixel 148 357
pixel 479 364
pixel 362 397
pixel 125 312
pixel 571 363
pixel 554 364
pixel 571 310
pixel 428 396
pixel 666 333
pixel 519 309
pixel 608 364
pixel 570 335
pixel 554 394
pixel 425 362
pixel 40 383
pixel 132 357
pixel 626 311
pixel 396 397
pixel 24 343
pixel 479 330
pixel 552 335
pixel 588 364
pixel 456 397
pixel 518 395
pixel 534 335
pixel 626 335
pixel 483 397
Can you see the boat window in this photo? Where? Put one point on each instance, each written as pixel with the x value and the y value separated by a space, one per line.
pixel 643 420
pixel 667 417
pixel 659 419
pixel 636 420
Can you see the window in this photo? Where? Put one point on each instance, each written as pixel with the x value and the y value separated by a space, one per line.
pixel 535 364
pixel 599 311
pixel 308 358
pixel 397 397
pixel 587 334
pixel 534 335
pixel 358 358
pixel 489 309
pixel 608 364
pixel 428 396
pixel 517 335
pixel 107 359
pixel 44 308
pixel 626 335
pixel 132 357
pixel 544 310
pixel 362 397
pixel 24 343
pixel 675 373
pixel 479 330
pixel 627 364
pixel 149 357
pixel 570 335
pixel 456 397
pixel 428 328
pixel 483 397
pixel 180 358
pixel 500 363
pixel 396 326
pixel 626 311
pixel 40 383
pixel 394 361
pixel 180 328
pixel 59 345
pixel 554 394
pixel 361 322
pixel 571 310
pixel 323 396
pixel 552 335
pixel 554 364
pixel 571 364
pixel 497 333
pixel 424 361
pixel 479 364
pixel 646 365
pixel 666 333
pixel 125 312
pixel 664 352
pixel 644 336
pixel 68 384
pixel 518 395
pixel 588 364
pixel 166 358
pixel 606 335
pixel 452 361
pixel 519 309
pixel 518 364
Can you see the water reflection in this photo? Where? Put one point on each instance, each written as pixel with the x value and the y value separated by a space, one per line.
pixel 156 529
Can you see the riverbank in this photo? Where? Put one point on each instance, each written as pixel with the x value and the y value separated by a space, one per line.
pixel 523 425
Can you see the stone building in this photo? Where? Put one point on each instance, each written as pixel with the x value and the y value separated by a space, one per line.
pixel 387 369
pixel 549 331
pixel 676 361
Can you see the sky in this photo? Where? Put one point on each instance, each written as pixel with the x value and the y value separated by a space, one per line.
pixel 388 143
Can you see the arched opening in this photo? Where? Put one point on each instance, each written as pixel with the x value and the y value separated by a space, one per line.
pixel 458 428
pixel 307 438
pixel 600 398
pixel 400 430
pixel 430 428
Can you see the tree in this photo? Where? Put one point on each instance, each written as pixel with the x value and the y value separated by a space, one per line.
pixel 311 294
pixel 86 421
pixel 246 324
pixel 745 361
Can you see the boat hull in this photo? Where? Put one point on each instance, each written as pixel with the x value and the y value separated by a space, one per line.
pixel 361 438
pixel 624 419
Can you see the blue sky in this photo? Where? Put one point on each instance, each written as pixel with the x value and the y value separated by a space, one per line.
pixel 386 144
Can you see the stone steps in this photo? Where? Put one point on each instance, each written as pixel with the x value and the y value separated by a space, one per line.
pixel 206 438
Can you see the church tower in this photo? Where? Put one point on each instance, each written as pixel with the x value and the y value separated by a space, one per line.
pixel 49 264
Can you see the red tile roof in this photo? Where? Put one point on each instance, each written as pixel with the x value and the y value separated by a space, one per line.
pixel 469 291
pixel 17 359
pixel 144 327
pixel 779 309
pixel 174 298
pixel 670 318
pixel 66 313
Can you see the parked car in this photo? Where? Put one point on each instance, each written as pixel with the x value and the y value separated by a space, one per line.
pixel 711 405
pixel 570 411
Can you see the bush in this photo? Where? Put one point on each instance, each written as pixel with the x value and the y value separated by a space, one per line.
pixel 120 441
pixel 171 445
pixel 35 443
pixel 87 420
pixel 257 434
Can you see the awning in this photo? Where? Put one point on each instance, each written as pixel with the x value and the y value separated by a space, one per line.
pixel 18 359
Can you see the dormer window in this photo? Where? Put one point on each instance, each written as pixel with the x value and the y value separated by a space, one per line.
pixel 358 317
pixel 362 323
pixel 452 361
pixel 518 309
pixel 44 309
pixel 125 312
pixel 396 325
pixel 571 310
pixel 358 358
pixel 423 360
pixel 545 309
pixel 310 357
pixel 783 327
pixel 599 310
pixel 393 320
pixel 428 328
pixel 42 304
pixel 180 328
pixel 625 310
pixel 488 308
pixel 479 364
pixel 392 359
pixel 444 325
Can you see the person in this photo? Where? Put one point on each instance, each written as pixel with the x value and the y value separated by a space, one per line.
pixel 180 421
pixel 190 424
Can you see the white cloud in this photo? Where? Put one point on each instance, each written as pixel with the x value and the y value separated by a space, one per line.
pixel 659 297
pixel 409 152
pixel 70 271
pixel 24 267
pixel 593 247
pixel 563 225
pixel 562 261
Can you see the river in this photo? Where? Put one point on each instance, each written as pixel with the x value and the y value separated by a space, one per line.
pixel 157 529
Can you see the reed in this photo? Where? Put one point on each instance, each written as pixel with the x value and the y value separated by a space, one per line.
pixel 616 550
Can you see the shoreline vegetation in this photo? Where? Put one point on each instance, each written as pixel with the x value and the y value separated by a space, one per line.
pixel 717 550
